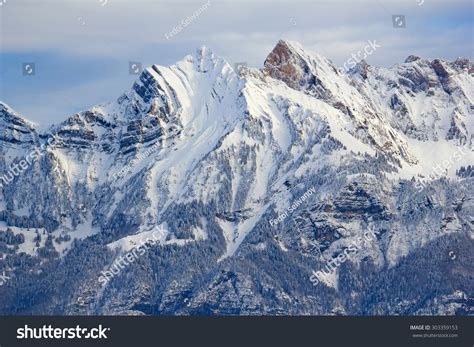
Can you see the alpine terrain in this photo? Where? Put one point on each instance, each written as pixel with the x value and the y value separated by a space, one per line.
pixel 292 189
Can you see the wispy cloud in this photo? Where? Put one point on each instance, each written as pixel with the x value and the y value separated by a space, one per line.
pixel 87 46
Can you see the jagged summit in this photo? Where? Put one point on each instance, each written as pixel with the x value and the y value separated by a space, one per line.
pixel 15 129
pixel 8 114
pixel 289 63
pixel 412 58
pixel 361 68
pixel 205 60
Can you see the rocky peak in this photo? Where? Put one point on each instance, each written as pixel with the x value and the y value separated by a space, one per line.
pixel 288 63
pixel 361 68
pixel 13 128
pixel 464 64
pixel 205 60
pixel 412 58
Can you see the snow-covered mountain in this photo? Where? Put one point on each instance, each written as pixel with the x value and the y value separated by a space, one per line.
pixel 260 178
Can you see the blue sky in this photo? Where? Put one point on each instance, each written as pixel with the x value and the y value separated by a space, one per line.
pixel 82 48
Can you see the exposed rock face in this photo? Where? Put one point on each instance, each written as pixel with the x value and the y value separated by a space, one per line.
pixel 362 69
pixel 225 162
pixel 440 69
pixel 411 59
pixel 14 130
pixel 286 64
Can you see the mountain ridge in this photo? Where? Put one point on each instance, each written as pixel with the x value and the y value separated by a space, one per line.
pixel 213 156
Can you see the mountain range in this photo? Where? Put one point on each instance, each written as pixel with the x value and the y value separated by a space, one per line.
pixel 260 178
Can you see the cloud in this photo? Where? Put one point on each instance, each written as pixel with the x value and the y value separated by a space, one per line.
pixel 123 31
